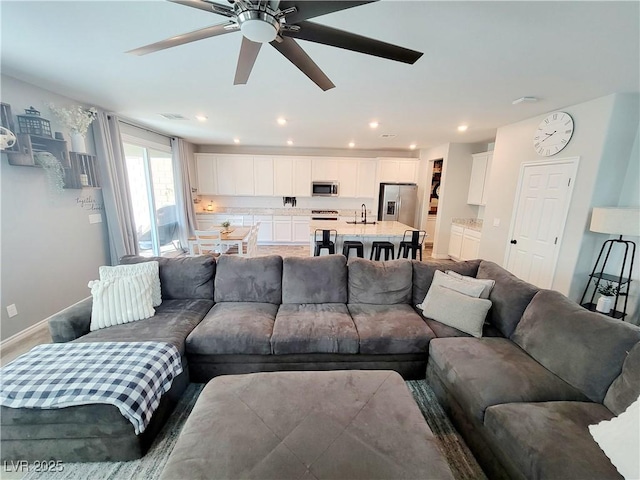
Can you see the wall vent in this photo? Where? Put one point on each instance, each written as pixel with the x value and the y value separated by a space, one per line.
pixel 388 135
pixel 173 116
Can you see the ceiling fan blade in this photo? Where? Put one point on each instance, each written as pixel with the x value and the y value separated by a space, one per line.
pixel 207 6
pixel 290 49
pixel 248 54
pixel 207 32
pixel 314 32
pixel 310 9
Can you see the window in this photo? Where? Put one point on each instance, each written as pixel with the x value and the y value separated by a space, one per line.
pixel 152 189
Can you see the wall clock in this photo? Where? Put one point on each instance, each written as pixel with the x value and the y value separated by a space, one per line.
pixel 553 134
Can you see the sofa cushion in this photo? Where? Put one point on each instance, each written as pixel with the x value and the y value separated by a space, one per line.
pixel 510 297
pixel 380 283
pixel 172 323
pixel 456 309
pixel 314 328
pixel 234 327
pixel 314 279
pixel 491 371
pixel 182 277
pixel 240 279
pixel 626 387
pixel 385 329
pixel 549 440
pixel 585 349
pixel 423 274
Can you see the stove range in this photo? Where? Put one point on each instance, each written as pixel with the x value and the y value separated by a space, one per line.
pixel 324 215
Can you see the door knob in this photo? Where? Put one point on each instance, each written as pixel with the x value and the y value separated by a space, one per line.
pixel 513 242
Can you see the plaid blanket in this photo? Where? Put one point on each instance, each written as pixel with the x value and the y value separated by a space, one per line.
pixel 131 376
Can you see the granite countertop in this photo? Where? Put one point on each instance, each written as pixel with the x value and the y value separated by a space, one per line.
pixel 470 223
pixel 380 229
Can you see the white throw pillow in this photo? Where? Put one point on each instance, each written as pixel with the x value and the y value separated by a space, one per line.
pixel 120 300
pixel 486 282
pixel 619 439
pixel 152 269
pixel 441 279
pixel 456 309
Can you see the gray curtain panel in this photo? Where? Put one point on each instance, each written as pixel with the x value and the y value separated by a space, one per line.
pixel 182 151
pixel 115 187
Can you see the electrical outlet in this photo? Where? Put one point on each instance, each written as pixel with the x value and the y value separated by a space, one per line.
pixel 496 222
pixel 12 310
pixel 95 218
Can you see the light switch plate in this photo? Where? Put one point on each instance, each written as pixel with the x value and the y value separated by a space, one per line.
pixel 95 218
pixel 12 310
pixel 496 222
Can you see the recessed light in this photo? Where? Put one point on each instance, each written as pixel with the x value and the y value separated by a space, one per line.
pixel 412 146
pixel 236 140
pixel 352 144
pixel 462 128
pixel 201 118
pixel 374 124
pixel 282 121
pixel 289 142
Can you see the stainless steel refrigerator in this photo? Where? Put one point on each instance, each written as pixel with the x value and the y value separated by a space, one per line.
pixel 398 201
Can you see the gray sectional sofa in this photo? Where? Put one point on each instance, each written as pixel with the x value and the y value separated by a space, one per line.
pixel 521 396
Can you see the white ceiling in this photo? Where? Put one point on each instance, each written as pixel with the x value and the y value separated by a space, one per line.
pixel 478 57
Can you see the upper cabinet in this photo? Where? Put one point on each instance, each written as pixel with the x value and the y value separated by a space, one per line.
pixel 206 172
pixel 397 170
pixel 480 170
pixel 356 176
pixel 263 176
pixel 291 177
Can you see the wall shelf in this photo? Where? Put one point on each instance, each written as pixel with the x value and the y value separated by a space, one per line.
pixel 29 144
pixel 82 171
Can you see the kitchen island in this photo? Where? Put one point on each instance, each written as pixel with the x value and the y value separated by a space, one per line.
pixel 367 234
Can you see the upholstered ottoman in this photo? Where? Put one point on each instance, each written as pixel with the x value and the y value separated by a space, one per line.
pixel 338 424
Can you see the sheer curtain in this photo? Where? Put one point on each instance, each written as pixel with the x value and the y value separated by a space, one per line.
pixel 115 187
pixel 182 151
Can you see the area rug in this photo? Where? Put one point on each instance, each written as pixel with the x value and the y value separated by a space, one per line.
pixel 149 467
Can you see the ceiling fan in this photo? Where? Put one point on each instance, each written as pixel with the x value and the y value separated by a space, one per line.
pixel 279 23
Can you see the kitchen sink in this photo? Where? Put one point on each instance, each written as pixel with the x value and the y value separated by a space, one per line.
pixel 361 223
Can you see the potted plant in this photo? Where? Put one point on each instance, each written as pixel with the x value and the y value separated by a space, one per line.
pixel 607 291
pixel 225 225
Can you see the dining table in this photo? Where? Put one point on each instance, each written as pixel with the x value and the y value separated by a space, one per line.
pixel 232 236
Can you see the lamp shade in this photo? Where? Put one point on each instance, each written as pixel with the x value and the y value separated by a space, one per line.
pixel 616 221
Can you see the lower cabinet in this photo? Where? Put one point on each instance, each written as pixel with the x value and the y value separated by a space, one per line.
pixel 470 244
pixel 300 229
pixel 455 242
pixel 282 228
pixel 464 243
pixel 265 230
pixel 431 229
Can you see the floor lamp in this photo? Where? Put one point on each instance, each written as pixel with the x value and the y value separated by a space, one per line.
pixel 614 221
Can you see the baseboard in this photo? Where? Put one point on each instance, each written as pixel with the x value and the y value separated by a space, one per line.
pixel 440 256
pixel 22 341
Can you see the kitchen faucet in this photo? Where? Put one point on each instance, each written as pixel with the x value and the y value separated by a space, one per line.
pixel 363 215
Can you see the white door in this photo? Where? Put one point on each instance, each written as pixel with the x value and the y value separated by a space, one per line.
pixel 543 198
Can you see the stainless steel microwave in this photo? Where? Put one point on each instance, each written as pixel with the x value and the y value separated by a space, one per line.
pixel 324 189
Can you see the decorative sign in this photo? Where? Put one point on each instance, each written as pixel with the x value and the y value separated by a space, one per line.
pixel 89 203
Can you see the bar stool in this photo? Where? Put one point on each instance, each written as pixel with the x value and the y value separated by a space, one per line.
pixel 414 245
pixel 377 247
pixel 328 241
pixel 349 244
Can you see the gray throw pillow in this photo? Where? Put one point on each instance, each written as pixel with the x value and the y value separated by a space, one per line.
pixel 487 283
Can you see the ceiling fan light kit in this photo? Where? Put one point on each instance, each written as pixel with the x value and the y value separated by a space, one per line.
pixel 279 23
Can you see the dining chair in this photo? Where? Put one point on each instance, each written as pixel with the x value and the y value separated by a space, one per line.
pixel 209 242
pixel 412 240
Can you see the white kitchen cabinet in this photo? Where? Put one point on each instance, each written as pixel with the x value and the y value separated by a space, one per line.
pixel 470 244
pixel 325 169
pixel 348 178
pixel 366 180
pixel 478 183
pixel 226 176
pixel 243 175
pixel 282 228
pixel 282 176
pixel 395 170
pixel 204 221
pixel 263 176
pixel 265 230
pixel 300 229
pixel 247 220
pixel 301 184
pixel 455 242
pixel 206 174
